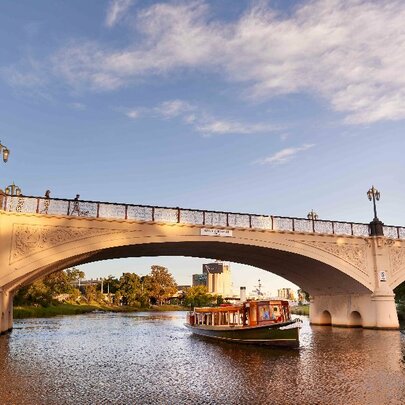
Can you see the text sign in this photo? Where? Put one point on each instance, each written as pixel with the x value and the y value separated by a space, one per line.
pixel 216 232
pixel 383 276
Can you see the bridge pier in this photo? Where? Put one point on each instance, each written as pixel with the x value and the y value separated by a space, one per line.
pixel 375 311
pixel 6 311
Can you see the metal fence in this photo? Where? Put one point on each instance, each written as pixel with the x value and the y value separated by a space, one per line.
pixel 96 209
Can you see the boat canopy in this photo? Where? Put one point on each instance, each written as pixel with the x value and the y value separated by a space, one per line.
pixel 250 313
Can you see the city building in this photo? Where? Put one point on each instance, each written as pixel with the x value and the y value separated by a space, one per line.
pixel 218 278
pixel 199 279
pixel 286 293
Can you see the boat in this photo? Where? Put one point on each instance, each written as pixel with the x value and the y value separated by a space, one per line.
pixel 263 322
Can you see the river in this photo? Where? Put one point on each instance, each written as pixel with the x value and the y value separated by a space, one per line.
pixel 151 358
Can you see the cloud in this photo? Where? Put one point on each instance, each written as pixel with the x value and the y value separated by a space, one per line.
pixel 173 108
pixel 116 10
pixel 214 127
pixel 349 53
pixel 134 114
pixel 284 155
pixel 200 120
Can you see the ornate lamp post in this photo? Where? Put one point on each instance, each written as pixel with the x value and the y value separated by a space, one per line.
pixel 12 189
pixel 312 215
pixel 5 151
pixel 376 225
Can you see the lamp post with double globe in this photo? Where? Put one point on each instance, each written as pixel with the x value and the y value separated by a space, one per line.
pixel 13 190
pixel 312 215
pixel 376 226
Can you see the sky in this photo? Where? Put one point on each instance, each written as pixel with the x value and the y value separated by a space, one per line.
pixel 269 107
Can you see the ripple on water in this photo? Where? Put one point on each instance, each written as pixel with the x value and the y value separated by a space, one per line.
pixel 151 358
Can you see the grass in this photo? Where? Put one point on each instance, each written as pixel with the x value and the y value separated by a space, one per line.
pixel 21 312
pixel 64 309
pixel 300 310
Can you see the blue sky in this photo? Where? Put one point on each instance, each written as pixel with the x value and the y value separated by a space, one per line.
pixel 273 107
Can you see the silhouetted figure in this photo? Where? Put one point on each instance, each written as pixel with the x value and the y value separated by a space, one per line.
pixel 76 207
pixel 47 201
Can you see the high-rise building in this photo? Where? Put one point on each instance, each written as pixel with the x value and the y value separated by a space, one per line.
pixel 199 279
pixel 286 293
pixel 218 278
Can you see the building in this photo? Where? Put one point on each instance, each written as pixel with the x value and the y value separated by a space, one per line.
pixel 199 279
pixel 218 276
pixel 286 293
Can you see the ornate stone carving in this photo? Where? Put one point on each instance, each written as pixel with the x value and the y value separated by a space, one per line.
pixel 397 257
pixel 29 239
pixel 356 255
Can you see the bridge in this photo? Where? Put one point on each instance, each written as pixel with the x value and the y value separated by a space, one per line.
pixel 349 272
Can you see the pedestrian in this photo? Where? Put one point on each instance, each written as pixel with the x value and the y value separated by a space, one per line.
pixel 76 208
pixel 47 202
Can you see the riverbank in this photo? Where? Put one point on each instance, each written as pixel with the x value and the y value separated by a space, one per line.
pixel 300 310
pixel 21 312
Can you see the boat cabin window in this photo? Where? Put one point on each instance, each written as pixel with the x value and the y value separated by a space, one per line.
pixel 264 313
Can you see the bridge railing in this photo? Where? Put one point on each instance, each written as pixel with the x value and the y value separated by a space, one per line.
pixel 148 213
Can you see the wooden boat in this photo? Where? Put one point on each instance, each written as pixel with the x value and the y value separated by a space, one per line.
pixel 265 322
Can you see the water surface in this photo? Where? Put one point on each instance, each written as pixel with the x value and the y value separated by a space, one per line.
pixel 151 358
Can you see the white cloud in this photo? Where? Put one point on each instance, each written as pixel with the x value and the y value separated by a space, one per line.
pixel 350 53
pixel 116 10
pixel 173 108
pixel 199 119
pixel 284 155
pixel 212 126
pixel 134 114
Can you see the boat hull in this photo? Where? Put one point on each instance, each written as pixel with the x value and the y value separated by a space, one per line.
pixel 281 334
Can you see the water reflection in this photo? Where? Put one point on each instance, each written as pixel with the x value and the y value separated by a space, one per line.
pixel 151 358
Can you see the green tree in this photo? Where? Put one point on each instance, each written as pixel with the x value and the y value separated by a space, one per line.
pixel 130 289
pixel 400 293
pixel 111 284
pixel 90 293
pixel 197 296
pixel 162 284
pixel 74 274
pixel 44 291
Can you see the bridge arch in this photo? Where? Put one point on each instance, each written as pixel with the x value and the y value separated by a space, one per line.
pixel 355 319
pixel 42 251
pixel 326 318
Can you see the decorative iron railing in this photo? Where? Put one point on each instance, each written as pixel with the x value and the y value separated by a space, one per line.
pixel 148 213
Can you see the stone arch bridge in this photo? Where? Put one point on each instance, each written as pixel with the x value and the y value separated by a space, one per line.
pixel 349 274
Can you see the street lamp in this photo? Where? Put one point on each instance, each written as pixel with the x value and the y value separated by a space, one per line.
pixel 5 152
pixel 12 189
pixel 312 215
pixel 376 225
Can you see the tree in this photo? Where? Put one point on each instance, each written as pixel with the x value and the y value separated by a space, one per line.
pixel 197 296
pixel 74 274
pixel 400 293
pixel 130 289
pixel 162 284
pixel 44 291
pixel 111 283
pixel 90 292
